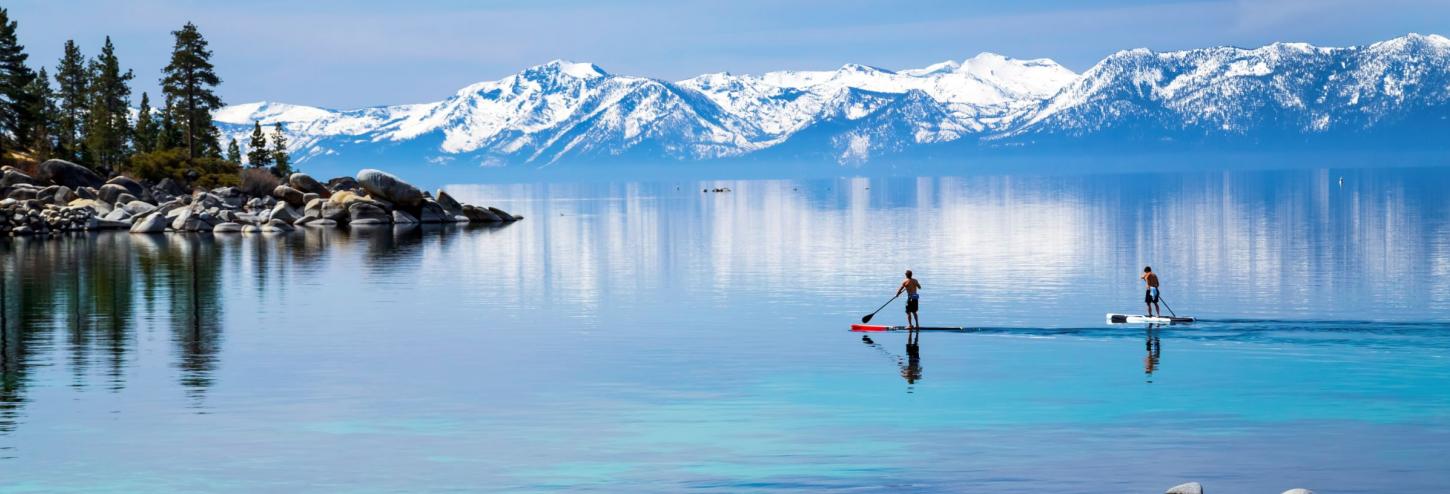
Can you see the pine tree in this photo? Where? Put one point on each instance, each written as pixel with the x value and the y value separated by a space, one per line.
pixel 42 130
pixel 15 78
pixel 189 84
pixel 257 154
pixel 168 135
pixel 279 152
pixel 144 135
pixel 107 127
pixel 234 152
pixel 72 87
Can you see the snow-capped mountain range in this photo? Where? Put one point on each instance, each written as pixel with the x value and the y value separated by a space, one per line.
pixel 565 112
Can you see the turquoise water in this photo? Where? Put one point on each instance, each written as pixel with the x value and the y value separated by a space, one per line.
pixel 647 337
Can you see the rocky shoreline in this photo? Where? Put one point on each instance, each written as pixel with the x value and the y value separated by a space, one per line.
pixel 66 197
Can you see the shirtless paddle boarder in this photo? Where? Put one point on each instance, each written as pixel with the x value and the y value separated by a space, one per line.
pixel 1151 297
pixel 910 286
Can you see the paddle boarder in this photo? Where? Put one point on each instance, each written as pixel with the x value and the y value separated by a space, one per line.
pixel 1151 296
pixel 910 286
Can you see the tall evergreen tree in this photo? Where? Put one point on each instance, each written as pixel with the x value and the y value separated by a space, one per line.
pixel 15 77
pixel 279 151
pixel 234 152
pixel 42 130
pixel 108 127
pixel 258 156
pixel 72 85
pixel 189 84
pixel 144 135
pixel 168 134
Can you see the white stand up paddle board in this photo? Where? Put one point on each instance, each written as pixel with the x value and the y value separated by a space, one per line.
pixel 1142 319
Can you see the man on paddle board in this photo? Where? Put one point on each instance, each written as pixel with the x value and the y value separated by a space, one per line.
pixel 1151 297
pixel 910 286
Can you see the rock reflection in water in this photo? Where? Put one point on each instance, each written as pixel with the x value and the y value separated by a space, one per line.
pixel 76 302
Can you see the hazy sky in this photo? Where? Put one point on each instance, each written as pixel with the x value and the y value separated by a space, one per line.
pixel 350 54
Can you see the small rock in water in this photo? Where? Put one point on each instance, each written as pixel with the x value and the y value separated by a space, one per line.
pixel 1189 488
pixel 1301 490
pixel 227 228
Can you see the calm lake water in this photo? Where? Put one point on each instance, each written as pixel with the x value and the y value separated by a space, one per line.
pixel 647 337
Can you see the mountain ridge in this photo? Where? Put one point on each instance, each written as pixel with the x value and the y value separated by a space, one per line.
pixel 575 112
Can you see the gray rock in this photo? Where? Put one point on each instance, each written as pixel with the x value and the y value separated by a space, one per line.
pixel 86 192
pixel 118 214
pixel 309 196
pixel 16 177
pixel 1189 488
pixel 303 221
pixel 383 185
pixel 403 218
pixel 289 195
pixel 110 192
pixel 170 188
pixel 125 198
pixel 501 214
pixel 307 184
pixel 340 184
pixel 64 195
pixel 179 222
pixel 477 214
pixel 22 193
pixel 1299 490
pixel 451 205
pixel 364 213
pixel 251 229
pixel 285 213
pixel 62 172
pixel 227 228
pixel 321 222
pixel 334 211
pixel 132 187
pixel 151 223
pixel 105 224
pixel 313 209
pixel 276 226
pixel 432 212
pixel 138 207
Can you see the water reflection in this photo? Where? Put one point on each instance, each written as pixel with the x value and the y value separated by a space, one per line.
pixel 80 302
pixel 1154 348
pixel 908 366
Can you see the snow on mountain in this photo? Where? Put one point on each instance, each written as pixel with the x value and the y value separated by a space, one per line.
pixel 1282 89
pixel 577 112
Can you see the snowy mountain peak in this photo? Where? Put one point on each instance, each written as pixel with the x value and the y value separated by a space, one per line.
pixel 946 67
pixel 579 70
pixel 268 112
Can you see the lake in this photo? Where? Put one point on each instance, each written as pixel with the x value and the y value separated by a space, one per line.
pixel 651 337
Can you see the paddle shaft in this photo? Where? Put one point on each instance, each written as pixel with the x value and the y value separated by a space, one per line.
pixel 1165 304
pixel 868 317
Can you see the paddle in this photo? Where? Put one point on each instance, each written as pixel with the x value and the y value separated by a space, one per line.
pixel 868 317
pixel 1165 304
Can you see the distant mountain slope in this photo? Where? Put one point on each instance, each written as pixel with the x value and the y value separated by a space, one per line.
pixel 1277 94
pixel 1283 94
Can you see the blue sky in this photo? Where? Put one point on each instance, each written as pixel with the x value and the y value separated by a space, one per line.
pixel 350 54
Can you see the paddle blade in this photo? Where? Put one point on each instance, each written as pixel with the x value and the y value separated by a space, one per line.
pixel 867 318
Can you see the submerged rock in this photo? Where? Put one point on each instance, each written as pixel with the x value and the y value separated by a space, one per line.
pixel 1189 488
